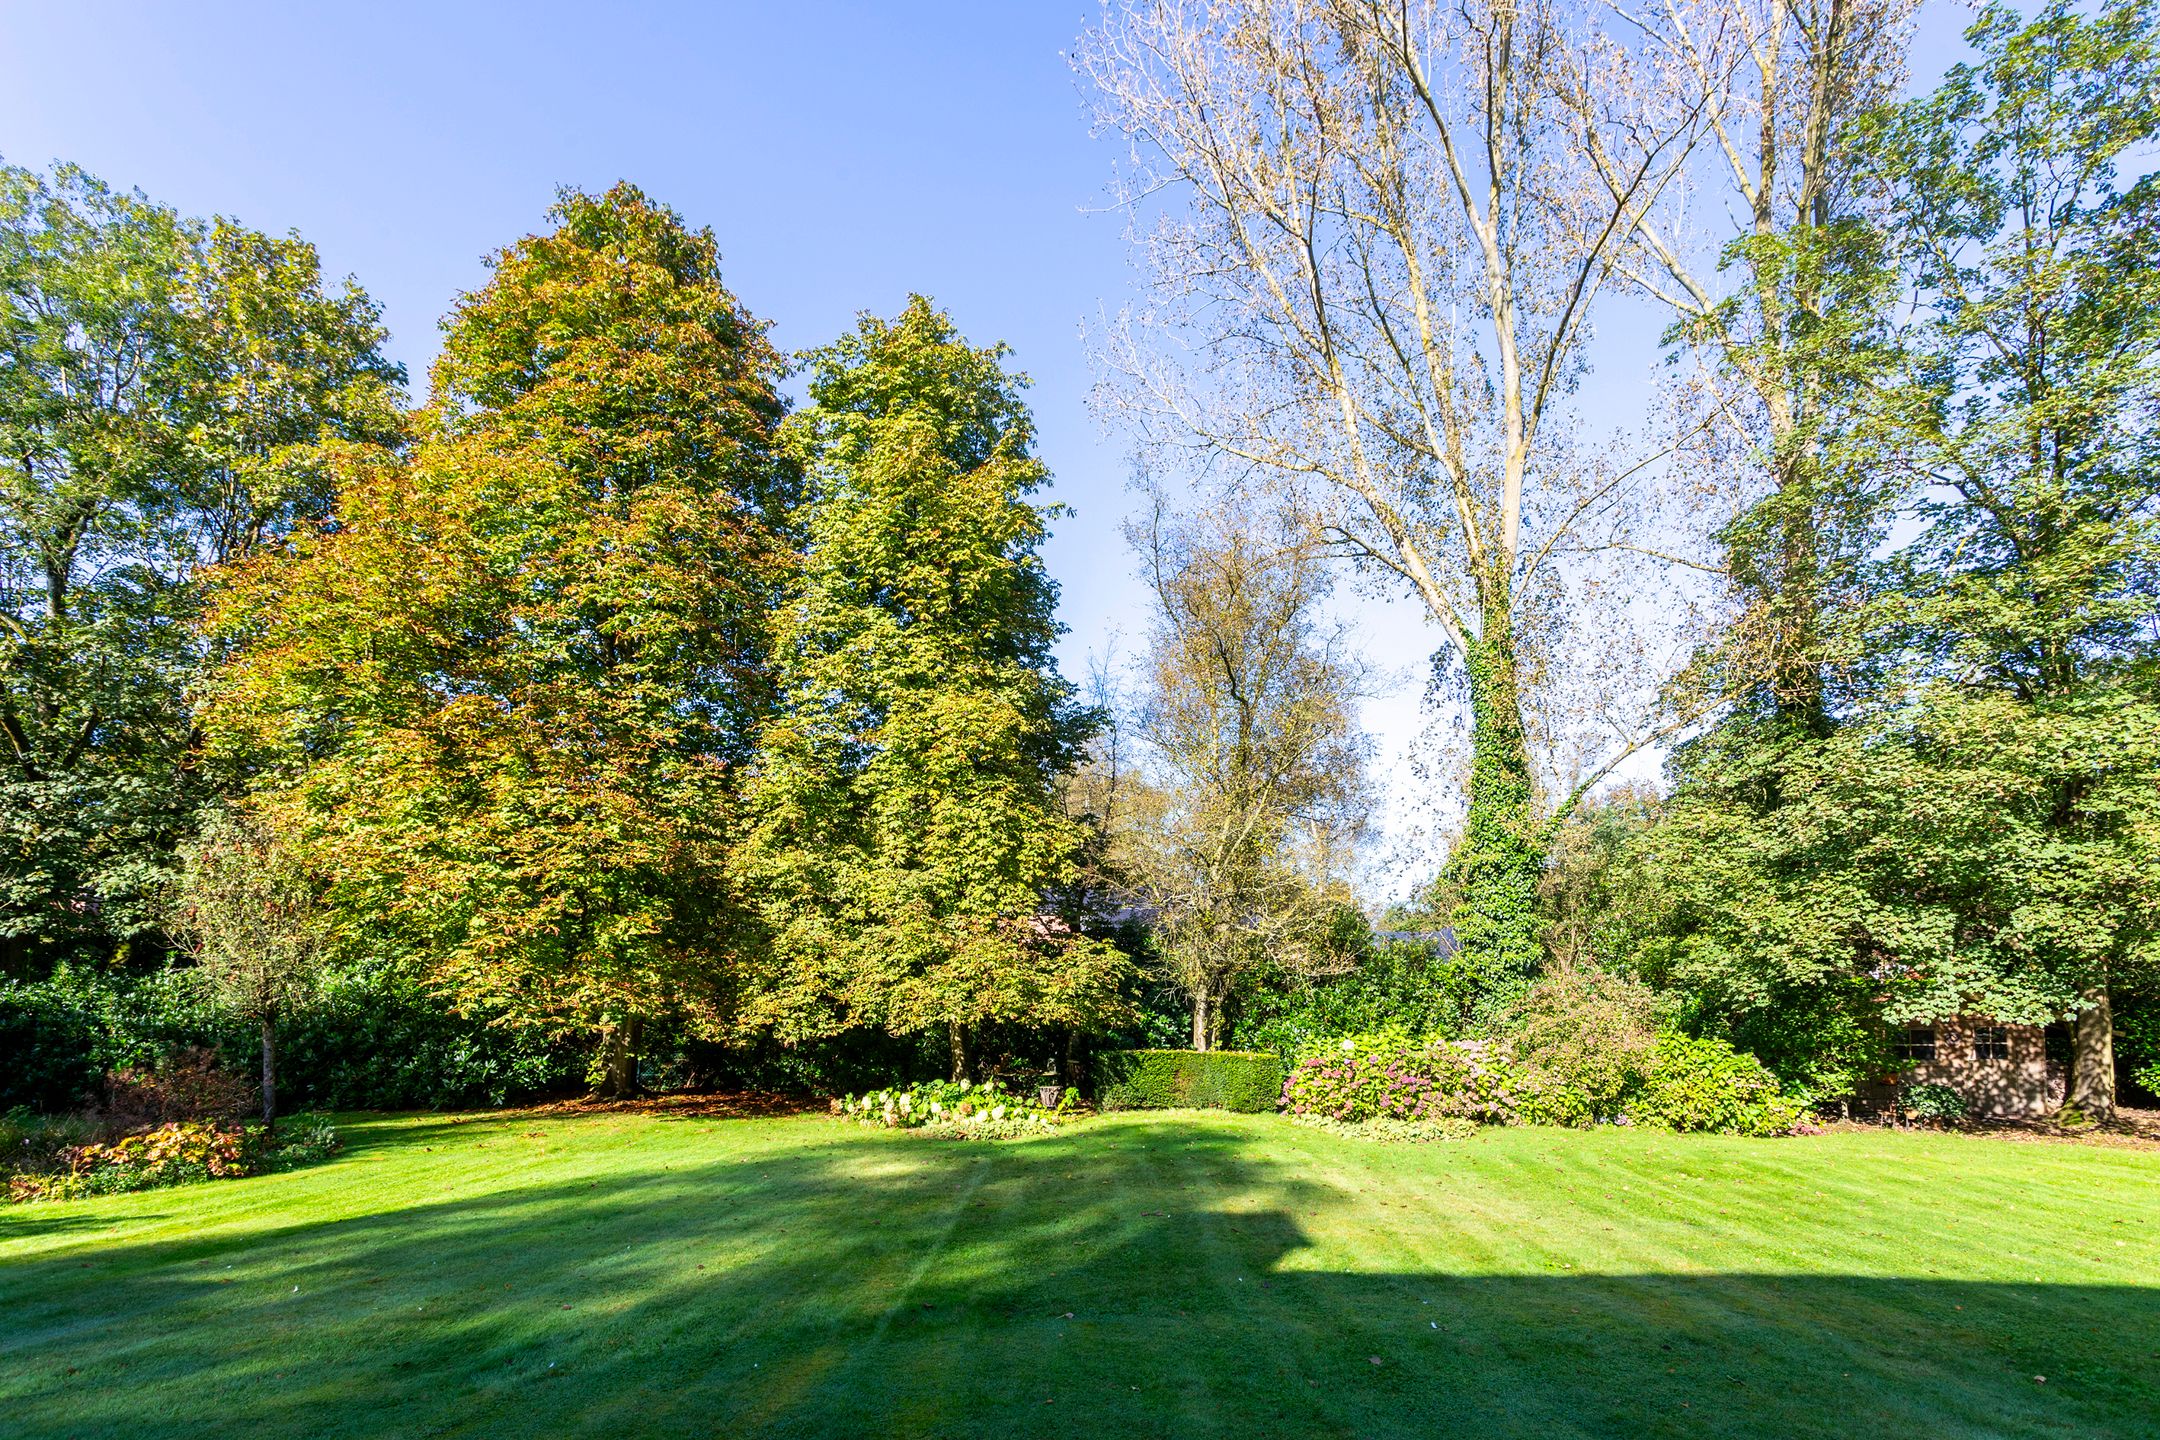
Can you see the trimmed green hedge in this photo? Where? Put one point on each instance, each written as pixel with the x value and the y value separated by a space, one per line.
pixel 1248 1080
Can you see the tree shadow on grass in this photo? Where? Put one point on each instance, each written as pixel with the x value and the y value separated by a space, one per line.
pixel 41 1218
pixel 857 1284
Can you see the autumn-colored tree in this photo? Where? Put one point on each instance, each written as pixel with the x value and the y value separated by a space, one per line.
pixel 166 387
pixel 1238 836
pixel 908 831
pixel 507 695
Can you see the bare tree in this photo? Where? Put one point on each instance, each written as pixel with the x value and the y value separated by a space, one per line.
pixel 1757 256
pixel 1375 244
pixel 1238 838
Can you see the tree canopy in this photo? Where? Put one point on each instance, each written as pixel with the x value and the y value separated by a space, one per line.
pixel 169 392
pixel 510 693
pixel 907 832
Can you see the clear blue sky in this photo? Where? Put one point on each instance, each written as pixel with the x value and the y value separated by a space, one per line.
pixel 844 154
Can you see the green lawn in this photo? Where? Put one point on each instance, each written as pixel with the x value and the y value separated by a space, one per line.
pixel 1181 1275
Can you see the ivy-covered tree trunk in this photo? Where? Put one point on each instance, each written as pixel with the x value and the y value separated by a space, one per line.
pixel 1494 870
pixel 1796 602
pixel 2092 1057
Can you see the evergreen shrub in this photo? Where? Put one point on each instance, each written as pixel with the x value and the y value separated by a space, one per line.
pixel 1939 1103
pixel 1244 1080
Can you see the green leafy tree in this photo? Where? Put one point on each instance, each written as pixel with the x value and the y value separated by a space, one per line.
pixel 1979 831
pixel 166 391
pixel 508 696
pixel 2032 590
pixel 244 906
pixel 1787 312
pixel 908 832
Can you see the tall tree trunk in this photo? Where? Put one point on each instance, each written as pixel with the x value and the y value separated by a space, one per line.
pixel 1200 1019
pixel 2092 1057
pixel 269 1072
pixel 1496 866
pixel 619 1062
pixel 956 1033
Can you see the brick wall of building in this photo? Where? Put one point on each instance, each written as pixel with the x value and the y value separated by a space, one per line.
pixel 2019 1085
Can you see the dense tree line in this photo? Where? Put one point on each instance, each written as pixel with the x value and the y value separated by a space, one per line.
pixel 595 693
pixel 169 391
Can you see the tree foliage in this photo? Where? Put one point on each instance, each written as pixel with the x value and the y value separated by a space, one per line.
pixel 168 389
pixel 509 694
pixel 907 828
pixel 1239 842
pixel 1978 830
pixel 244 906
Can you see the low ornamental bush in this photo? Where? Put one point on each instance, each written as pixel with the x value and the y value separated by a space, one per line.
pixel 1705 1084
pixel 955 1110
pixel 1250 1081
pixel 1583 1040
pixel 1939 1103
pixel 180 1153
pixel 1396 1077
pixel 32 1143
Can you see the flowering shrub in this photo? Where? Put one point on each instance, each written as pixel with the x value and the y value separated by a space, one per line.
pixel 1396 1077
pixel 1686 1084
pixel 957 1110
